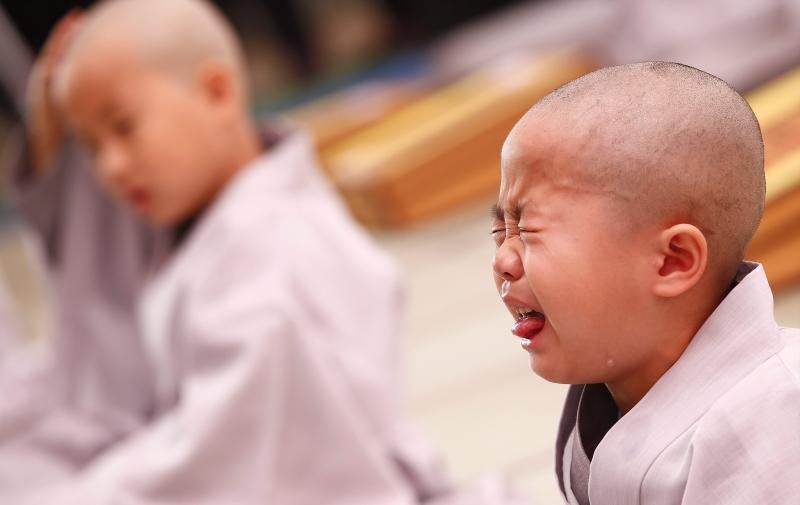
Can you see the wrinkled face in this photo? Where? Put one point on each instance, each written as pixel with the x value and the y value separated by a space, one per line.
pixel 570 275
pixel 152 135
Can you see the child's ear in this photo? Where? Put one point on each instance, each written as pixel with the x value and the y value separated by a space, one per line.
pixel 683 257
pixel 217 84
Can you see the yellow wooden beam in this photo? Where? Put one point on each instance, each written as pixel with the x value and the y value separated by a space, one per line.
pixel 443 119
pixel 783 175
pixel 776 100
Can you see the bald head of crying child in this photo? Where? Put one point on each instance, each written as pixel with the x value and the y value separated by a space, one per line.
pixel 627 199
pixel 156 89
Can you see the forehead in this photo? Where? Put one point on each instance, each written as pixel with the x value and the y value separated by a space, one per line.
pixel 99 60
pixel 551 162
pixel 534 157
pixel 102 79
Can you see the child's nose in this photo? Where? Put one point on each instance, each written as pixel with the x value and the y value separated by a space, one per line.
pixel 507 262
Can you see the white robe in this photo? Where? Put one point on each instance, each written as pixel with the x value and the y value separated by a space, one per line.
pixel 722 426
pixel 271 337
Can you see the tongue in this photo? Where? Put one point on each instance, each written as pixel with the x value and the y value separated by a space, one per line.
pixel 528 327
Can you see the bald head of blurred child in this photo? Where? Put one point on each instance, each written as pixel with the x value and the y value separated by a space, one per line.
pixel 627 199
pixel 165 113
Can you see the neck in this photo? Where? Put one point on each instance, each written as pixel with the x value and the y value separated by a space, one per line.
pixel 245 146
pixel 242 146
pixel 629 389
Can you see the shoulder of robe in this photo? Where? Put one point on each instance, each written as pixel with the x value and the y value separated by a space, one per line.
pixel 746 448
pixel 790 355
pixel 230 256
pixel 760 414
pixel 301 237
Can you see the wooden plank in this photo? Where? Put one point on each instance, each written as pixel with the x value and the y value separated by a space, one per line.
pixel 443 150
pixel 776 243
pixel 334 118
pixel 782 262
pixel 776 100
pixel 781 139
pixel 780 218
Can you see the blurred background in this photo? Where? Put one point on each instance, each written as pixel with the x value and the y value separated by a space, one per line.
pixel 409 102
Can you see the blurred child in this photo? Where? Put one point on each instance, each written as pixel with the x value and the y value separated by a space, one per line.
pixel 627 199
pixel 268 327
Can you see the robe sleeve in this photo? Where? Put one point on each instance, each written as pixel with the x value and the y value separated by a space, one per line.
pixel 92 256
pixel 25 366
pixel 38 197
pixel 66 204
pixel 263 416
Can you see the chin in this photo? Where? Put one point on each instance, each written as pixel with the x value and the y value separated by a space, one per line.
pixel 167 218
pixel 543 369
pixel 551 372
pixel 155 219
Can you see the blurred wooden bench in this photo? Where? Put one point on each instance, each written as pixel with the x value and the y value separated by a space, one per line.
pixel 335 117
pixel 443 150
pixel 777 241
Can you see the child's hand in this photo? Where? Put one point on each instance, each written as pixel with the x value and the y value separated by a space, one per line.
pixel 45 124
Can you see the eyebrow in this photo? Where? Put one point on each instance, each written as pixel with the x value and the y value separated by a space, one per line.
pixel 497 212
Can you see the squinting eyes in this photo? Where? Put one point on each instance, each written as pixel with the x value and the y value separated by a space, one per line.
pixel 123 126
pixel 501 234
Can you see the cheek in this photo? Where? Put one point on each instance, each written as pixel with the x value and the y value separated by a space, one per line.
pixel 168 150
pixel 576 356
pixel 573 292
pixel 559 273
pixel 498 282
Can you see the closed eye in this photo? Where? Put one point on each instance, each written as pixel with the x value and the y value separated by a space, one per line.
pixel 123 126
pixel 528 234
pixel 499 236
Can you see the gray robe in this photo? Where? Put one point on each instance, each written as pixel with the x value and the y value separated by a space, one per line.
pixel 97 255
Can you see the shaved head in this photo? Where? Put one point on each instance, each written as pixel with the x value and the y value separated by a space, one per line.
pixel 155 90
pixel 669 143
pixel 175 35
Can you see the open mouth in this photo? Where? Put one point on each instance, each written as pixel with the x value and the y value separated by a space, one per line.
pixel 139 198
pixel 528 324
pixel 520 313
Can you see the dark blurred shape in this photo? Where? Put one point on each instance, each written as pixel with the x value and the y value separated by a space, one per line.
pixel 524 28
pixel 426 19
pixel 35 18
pixel 288 20
pixel 15 62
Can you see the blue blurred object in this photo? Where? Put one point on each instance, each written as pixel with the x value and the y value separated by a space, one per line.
pixel 408 65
